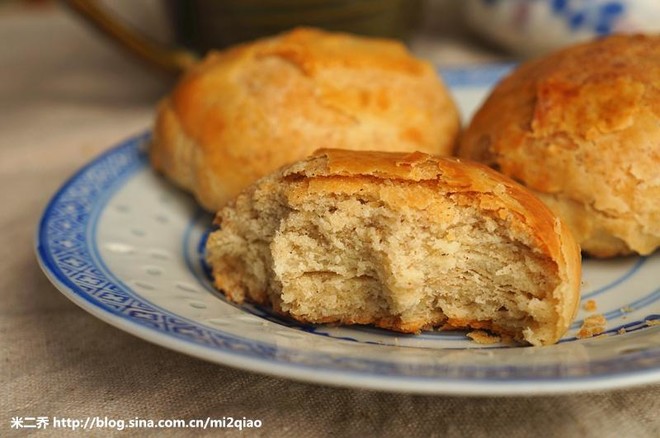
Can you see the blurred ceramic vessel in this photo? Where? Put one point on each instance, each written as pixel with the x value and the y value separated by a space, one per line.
pixel 533 27
pixel 203 25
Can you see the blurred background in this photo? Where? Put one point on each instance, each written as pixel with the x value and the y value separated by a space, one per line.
pixel 435 29
pixel 448 32
pixel 60 74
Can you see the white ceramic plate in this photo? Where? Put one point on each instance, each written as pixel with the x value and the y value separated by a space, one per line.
pixel 127 247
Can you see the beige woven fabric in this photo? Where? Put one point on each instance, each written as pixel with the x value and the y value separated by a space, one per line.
pixel 65 95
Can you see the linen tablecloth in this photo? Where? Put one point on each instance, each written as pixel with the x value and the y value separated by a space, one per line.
pixel 65 96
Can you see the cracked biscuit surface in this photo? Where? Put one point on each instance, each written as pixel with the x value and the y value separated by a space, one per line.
pixel 402 241
pixel 244 112
pixel 581 128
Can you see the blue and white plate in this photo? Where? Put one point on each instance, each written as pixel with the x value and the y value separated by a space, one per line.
pixel 126 246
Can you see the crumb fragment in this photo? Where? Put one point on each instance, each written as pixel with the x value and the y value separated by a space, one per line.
pixel 621 331
pixel 626 309
pixel 590 306
pixel 591 326
pixel 482 337
pixel 507 339
pixel 653 322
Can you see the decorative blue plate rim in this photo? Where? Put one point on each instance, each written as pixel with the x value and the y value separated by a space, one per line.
pixel 65 238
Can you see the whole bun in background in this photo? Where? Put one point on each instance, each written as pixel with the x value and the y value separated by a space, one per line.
pixel 581 128
pixel 246 111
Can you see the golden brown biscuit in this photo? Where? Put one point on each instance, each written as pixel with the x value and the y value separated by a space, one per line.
pixel 244 112
pixel 581 128
pixel 402 241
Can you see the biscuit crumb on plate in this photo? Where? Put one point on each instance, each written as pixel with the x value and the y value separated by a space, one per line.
pixel 482 337
pixel 590 306
pixel 591 326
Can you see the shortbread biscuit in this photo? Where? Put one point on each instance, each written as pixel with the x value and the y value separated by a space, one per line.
pixel 402 241
pixel 244 112
pixel 581 128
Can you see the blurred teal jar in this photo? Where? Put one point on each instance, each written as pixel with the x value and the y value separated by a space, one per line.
pixel 202 25
pixel 206 24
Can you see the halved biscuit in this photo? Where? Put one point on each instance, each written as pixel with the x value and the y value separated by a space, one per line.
pixel 403 241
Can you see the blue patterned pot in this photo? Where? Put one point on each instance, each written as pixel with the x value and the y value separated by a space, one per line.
pixel 533 27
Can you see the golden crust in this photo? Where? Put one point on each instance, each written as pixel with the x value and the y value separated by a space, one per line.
pixel 581 128
pixel 246 111
pixel 425 177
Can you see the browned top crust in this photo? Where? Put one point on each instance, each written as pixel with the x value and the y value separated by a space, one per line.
pixel 582 127
pixel 246 111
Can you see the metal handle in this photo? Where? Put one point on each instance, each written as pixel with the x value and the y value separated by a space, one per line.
pixel 167 59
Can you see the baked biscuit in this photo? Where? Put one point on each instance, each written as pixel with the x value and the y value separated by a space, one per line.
pixel 581 128
pixel 246 111
pixel 402 241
